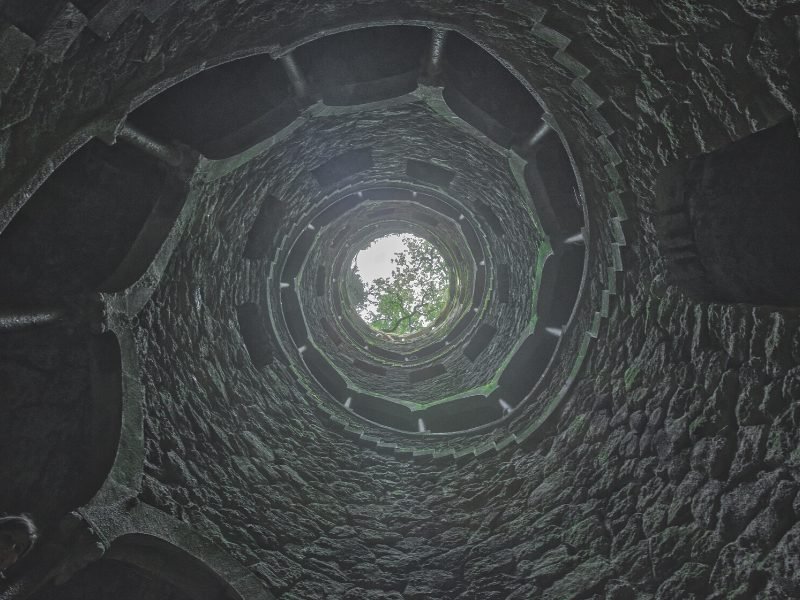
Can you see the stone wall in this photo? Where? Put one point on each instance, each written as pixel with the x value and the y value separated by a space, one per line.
pixel 671 473
pixel 672 470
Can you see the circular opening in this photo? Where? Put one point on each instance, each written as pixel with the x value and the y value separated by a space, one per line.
pixel 399 284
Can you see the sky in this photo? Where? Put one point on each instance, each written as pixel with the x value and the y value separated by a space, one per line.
pixel 375 261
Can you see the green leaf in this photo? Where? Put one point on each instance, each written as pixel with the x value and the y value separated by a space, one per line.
pixel 412 298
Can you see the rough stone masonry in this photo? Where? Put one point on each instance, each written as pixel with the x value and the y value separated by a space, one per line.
pixel 160 462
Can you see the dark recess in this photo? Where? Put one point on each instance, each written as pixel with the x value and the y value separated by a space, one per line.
pixel 369 367
pixel 30 17
pixel 527 365
pixel 106 373
pixel 485 211
pixel 479 341
pixel 113 579
pixel 462 106
pixel 551 181
pixel 261 239
pixel 331 331
pixel 46 386
pixel 365 65
pixel 429 173
pixel 381 411
pixel 77 228
pixel 327 376
pixel 294 316
pixel 297 256
pixel 337 209
pixel 216 103
pixel 463 414
pixel 343 166
pixel 254 334
pixel 503 283
pixel 480 284
pixel 489 86
pixel 426 373
pixel 730 220
pixel 564 285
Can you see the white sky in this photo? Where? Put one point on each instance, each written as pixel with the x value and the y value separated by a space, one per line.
pixel 375 261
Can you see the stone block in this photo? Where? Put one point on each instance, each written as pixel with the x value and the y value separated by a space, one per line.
pixel 669 550
pixel 14 48
pixel 705 503
pixel 580 582
pixel 279 572
pixel 688 582
pixel 428 584
pixel 526 8
pixel 61 32
pixel 680 508
pixel 106 20
pixel 739 506
pixel 589 95
pixel 155 9
pixel 551 36
pixel 751 445
pixel 549 567
pixel 732 570
pixel 576 67
pixel 784 562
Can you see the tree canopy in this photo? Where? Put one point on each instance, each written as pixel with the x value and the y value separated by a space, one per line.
pixel 411 298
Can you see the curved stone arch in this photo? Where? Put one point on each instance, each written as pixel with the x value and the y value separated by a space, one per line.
pixel 153 540
pixel 123 476
pixel 112 400
pixel 114 522
pixel 183 569
pixel 148 540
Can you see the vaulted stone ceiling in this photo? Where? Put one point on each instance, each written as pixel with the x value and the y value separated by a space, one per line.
pixel 191 409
